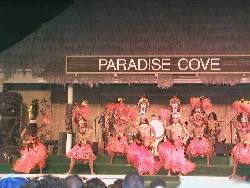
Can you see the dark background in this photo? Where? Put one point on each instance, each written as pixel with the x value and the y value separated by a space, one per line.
pixel 19 18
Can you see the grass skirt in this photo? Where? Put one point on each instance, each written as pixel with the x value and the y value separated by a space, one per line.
pixel 198 146
pixel 241 152
pixel 173 158
pixel 143 159
pixel 30 157
pixel 81 152
pixel 118 144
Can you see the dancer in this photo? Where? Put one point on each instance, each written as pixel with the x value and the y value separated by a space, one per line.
pixel 82 151
pixel 35 152
pixel 212 129
pixel 146 131
pixel 171 152
pixel 199 144
pixel 118 143
pixel 241 151
pixel 120 116
pixel 140 151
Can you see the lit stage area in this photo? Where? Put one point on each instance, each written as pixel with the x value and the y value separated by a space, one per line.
pixel 216 175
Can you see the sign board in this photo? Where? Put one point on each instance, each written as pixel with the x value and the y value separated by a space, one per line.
pixel 161 64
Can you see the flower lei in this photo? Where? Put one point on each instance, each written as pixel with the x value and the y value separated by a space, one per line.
pixel 175 104
pixel 106 125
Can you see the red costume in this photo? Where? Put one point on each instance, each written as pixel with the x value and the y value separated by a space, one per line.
pixel 241 152
pixel 118 144
pixel 32 155
pixel 139 152
pixel 171 154
pixel 82 151
pixel 198 146
pixel 143 159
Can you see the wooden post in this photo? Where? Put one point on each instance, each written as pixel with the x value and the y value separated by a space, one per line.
pixel 69 129
pixel 1 84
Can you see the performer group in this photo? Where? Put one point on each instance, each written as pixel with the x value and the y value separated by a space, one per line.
pixel 157 142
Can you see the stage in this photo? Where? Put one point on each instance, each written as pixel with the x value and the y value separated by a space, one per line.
pixel 58 165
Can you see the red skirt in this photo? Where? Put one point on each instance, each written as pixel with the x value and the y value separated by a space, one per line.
pixel 81 152
pixel 118 145
pixel 30 157
pixel 143 159
pixel 241 152
pixel 172 156
pixel 198 146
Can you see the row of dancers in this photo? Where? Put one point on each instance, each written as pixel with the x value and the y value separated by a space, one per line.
pixel 175 148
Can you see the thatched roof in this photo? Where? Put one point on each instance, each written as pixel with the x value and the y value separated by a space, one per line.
pixel 118 27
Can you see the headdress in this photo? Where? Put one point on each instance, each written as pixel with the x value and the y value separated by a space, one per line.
pixel 242 106
pixel 174 104
pixel 82 111
pixel 34 109
pixel 120 100
pixel 116 108
pixel 119 110
pixel 143 106
pixel 119 121
pixel 200 104
pixel 85 103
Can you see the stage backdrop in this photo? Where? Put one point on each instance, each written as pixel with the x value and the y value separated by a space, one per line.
pixel 222 98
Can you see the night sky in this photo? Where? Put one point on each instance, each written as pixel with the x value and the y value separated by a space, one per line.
pixel 19 18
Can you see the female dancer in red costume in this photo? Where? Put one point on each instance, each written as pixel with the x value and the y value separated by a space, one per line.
pixel 118 143
pixel 241 151
pixel 199 144
pixel 82 151
pixel 171 152
pixel 139 152
pixel 35 152
pixel 121 116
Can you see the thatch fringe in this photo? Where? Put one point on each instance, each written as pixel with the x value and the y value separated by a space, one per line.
pixel 131 28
